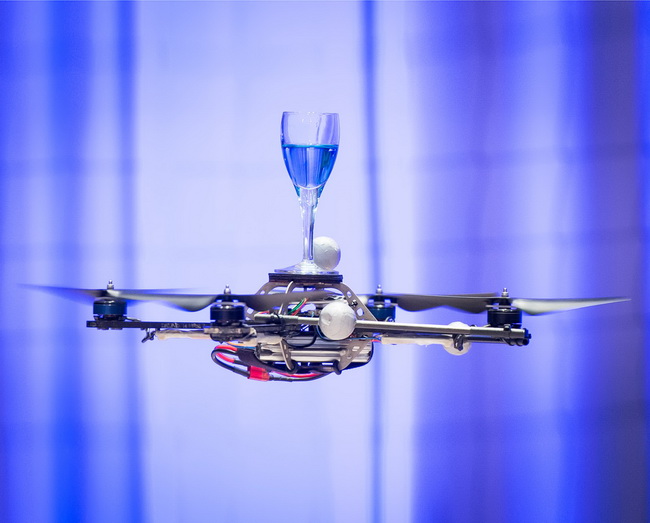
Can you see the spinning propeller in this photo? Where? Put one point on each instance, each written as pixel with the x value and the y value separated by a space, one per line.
pixel 337 333
pixel 473 303
pixel 188 302
pixel 476 303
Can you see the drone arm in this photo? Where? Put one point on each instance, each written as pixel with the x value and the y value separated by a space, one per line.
pixel 169 334
pixel 435 332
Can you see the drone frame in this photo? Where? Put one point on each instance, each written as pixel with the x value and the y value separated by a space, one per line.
pixel 287 344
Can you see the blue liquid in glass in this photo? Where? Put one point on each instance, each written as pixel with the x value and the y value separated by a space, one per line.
pixel 309 165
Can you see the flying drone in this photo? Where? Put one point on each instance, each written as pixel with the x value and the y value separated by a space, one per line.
pixel 305 323
pixel 302 327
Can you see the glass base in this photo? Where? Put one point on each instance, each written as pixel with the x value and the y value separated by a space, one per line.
pixel 304 267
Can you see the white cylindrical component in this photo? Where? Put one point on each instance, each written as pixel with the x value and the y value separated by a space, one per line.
pixel 327 253
pixel 337 320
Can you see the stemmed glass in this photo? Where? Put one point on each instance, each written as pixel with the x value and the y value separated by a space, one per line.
pixel 310 143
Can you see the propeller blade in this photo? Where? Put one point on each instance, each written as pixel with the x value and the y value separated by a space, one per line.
pixel 196 302
pixel 188 302
pixel 476 303
pixel 545 306
pixel 420 302
pixel 85 294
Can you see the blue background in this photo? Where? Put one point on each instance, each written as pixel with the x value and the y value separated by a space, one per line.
pixel 483 145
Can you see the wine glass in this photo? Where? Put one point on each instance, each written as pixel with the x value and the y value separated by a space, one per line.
pixel 310 143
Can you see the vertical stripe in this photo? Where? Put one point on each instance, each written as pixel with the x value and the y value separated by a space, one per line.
pixel 370 111
pixel 126 96
pixel 643 66
pixel 69 60
pixel 7 21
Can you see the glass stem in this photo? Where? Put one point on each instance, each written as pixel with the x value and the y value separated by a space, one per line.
pixel 308 204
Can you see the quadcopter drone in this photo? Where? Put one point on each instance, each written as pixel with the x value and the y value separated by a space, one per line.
pixel 305 323
pixel 302 327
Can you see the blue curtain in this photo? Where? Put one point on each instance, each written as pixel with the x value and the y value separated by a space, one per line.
pixel 63 447
pixel 531 126
pixel 484 145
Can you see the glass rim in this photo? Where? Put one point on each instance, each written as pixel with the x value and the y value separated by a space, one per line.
pixel 309 112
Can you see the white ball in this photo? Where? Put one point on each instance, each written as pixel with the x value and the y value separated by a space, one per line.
pixel 337 320
pixel 449 344
pixel 327 253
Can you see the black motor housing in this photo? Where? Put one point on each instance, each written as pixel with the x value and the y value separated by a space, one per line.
pixel 109 308
pixel 225 313
pixel 502 317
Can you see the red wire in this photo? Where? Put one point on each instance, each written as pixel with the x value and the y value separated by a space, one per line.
pixel 298 376
pixel 227 347
pixel 233 350
pixel 225 358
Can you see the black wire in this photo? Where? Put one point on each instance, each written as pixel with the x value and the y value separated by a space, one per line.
pixel 297 377
pixel 294 376
pixel 287 378
pixel 225 365
pixel 228 352
pixel 302 346
pixel 324 369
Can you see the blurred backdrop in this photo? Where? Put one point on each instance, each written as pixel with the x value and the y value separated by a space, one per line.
pixel 483 145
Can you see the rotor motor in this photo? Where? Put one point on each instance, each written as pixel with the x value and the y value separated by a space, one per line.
pixel 505 316
pixel 109 308
pixel 224 313
pixel 382 308
pixel 383 311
